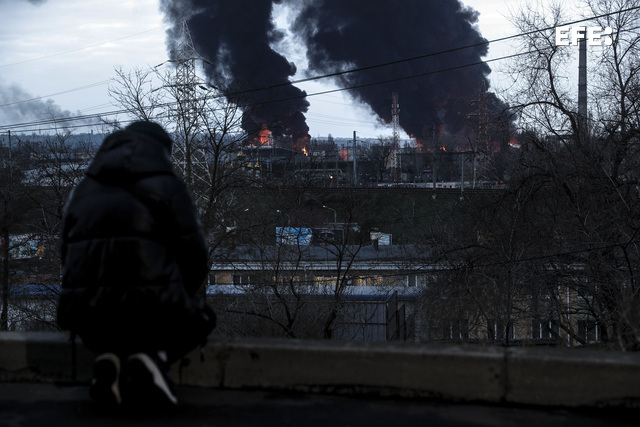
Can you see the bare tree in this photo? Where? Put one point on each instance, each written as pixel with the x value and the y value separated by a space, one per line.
pixel 293 280
pixel 11 210
pixel 138 94
pixel 16 225
pixel 579 183
pixel 377 156
pixel 45 169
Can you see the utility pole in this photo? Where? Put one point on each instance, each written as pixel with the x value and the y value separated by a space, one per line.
pixel 186 110
pixel 190 92
pixel 482 151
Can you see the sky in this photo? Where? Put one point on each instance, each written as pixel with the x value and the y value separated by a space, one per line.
pixel 62 54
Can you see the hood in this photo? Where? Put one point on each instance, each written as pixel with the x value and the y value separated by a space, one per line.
pixel 126 156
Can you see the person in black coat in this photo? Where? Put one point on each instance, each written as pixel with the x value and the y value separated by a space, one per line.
pixel 134 256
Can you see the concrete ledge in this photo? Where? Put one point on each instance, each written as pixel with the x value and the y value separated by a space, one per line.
pixel 572 377
pixel 417 371
pixel 531 376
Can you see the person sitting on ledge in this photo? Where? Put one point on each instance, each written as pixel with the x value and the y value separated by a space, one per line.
pixel 134 257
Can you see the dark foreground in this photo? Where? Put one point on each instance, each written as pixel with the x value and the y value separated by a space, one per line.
pixel 24 404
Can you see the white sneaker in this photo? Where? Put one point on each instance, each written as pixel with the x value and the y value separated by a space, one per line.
pixel 147 383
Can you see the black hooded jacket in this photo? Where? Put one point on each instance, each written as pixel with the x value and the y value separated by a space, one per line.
pixel 133 249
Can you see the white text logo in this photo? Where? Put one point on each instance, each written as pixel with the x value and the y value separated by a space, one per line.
pixel 595 36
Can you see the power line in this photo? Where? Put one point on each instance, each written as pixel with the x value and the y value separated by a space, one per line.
pixel 324 76
pixel 428 55
pixel 101 115
pixel 337 73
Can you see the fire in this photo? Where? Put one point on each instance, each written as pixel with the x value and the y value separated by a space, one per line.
pixel 263 137
pixel 301 145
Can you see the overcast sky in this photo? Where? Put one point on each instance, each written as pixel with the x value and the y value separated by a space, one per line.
pixel 63 52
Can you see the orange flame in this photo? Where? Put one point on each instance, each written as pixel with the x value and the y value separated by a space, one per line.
pixel 301 145
pixel 264 137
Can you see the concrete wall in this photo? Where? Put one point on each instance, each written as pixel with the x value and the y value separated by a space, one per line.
pixel 532 376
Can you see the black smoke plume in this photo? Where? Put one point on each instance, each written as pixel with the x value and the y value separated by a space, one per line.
pixel 236 36
pixel 341 33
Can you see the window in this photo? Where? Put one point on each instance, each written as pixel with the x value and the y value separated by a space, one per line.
pixel 588 330
pixel 544 329
pixel 241 279
pixel 211 282
pixel 325 280
pixel 457 330
pixel 212 279
pixel 370 280
pixel 412 280
pixel 498 331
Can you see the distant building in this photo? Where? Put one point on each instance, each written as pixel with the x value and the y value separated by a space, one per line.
pixel 396 291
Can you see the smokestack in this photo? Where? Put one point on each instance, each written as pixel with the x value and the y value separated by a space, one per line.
pixel 582 81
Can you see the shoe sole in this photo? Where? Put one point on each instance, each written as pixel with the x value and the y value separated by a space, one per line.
pixel 146 383
pixel 105 385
